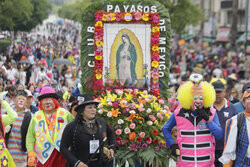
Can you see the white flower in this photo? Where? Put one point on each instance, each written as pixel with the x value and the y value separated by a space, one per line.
pixel 149 123
pixel 100 112
pixel 147 99
pixel 132 112
pixel 110 103
pixel 145 92
pixel 119 92
pixel 126 130
pixel 149 110
pixel 164 111
pixel 100 105
pixel 124 102
pixel 109 114
pixel 120 121
pixel 109 99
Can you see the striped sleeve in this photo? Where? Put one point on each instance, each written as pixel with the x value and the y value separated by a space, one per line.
pixel 227 130
pixel 229 153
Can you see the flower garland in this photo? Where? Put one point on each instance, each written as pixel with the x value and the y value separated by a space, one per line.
pixel 136 118
pixel 102 17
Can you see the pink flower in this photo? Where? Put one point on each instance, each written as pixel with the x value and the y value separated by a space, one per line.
pixel 98 18
pixel 148 140
pixel 138 16
pixel 155 39
pixel 98 38
pixel 142 134
pixel 141 109
pixel 99 33
pixel 118 18
pixel 152 118
pixel 97 53
pixel 132 126
pixel 109 17
pixel 155 58
pixel 160 116
pixel 115 104
pixel 155 19
pixel 161 101
pixel 118 132
pixel 155 75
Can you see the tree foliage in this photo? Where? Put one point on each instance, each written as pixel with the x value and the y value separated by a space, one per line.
pixel 22 15
pixel 40 13
pixel 74 10
pixel 183 13
pixel 14 12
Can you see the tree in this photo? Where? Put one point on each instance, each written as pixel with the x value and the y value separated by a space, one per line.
pixel 40 12
pixel 23 15
pixel 74 10
pixel 182 14
pixel 14 12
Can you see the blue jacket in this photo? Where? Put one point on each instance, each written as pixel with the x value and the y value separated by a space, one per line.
pixel 239 107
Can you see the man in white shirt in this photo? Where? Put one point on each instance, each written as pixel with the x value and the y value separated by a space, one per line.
pixel 237 147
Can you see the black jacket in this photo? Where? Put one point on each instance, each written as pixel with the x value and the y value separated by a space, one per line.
pixel 75 142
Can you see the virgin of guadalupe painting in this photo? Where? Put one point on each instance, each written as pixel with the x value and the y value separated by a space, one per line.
pixel 126 58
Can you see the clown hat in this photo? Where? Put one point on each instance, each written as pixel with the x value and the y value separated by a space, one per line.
pixel 83 100
pixel 47 92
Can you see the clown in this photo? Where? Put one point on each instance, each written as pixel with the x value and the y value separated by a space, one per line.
pixel 45 131
pixel 197 125
pixel 17 134
pixel 5 157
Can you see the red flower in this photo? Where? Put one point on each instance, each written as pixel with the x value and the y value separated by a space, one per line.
pixel 99 82
pixel 118 139
pixel 155 132
pixel 148 140
pixel 156 34
pixel 156 53
pixel 155 141
pixel 98 28
pixel 138 139
pixel 122 15
pixel 155 43
pixel 99 63
pixel 150 16
pixel 98 71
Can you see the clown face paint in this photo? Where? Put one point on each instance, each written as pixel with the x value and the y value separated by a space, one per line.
pixel 198 101
pixel 20 101
pixel 247 104
pixel 48 105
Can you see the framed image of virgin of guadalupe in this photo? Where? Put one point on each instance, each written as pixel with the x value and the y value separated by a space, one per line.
pixel 126 42
pixel 126 53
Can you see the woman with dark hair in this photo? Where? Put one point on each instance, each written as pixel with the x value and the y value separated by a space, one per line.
pixel 5 120
pixel 83 139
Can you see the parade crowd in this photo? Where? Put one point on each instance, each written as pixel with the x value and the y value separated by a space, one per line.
pixel 45 121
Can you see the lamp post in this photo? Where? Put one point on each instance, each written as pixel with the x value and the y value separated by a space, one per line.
pixel 246 27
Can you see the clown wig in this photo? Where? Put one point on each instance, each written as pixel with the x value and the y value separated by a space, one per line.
pixel 185 96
